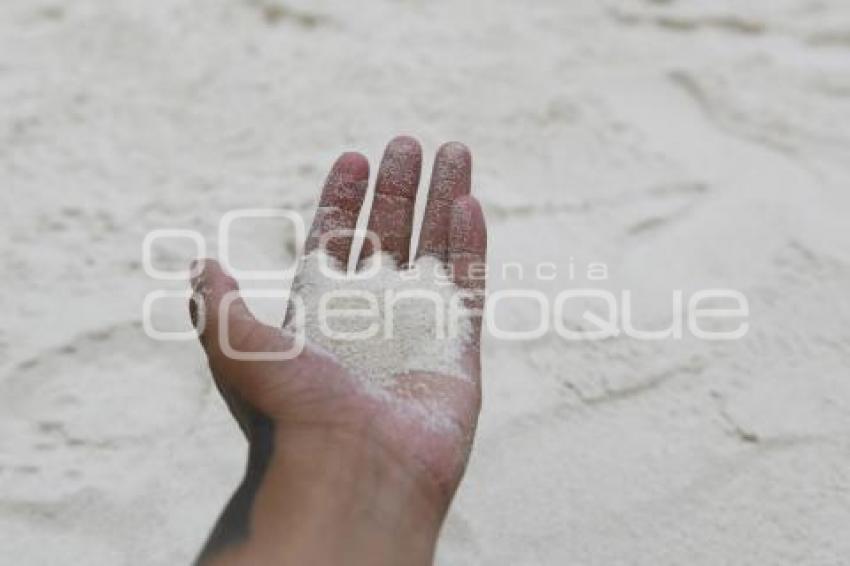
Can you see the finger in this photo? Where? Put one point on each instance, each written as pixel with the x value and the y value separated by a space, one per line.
pixel 227 328
pixel 450 179
pixel 467 251
pixel 467 255
pixel 391 219
pixel 339 206
pixel 266 381
pixel 336 216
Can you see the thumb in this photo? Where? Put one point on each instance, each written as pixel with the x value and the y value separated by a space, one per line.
pixel 237 345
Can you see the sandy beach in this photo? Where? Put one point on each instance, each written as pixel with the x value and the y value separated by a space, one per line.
pixel 684 144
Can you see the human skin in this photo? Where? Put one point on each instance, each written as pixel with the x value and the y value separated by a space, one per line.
pixel 335 474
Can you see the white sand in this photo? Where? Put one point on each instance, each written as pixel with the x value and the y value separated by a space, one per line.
pixel 687 144
pixel 383 322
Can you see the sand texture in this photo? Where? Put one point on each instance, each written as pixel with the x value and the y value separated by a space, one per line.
pixel 687 144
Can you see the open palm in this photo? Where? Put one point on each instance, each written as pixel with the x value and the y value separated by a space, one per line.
pixel 425 422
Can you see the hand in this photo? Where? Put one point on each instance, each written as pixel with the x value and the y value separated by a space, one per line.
pixel 336 474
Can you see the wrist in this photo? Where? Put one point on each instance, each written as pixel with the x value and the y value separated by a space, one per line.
pixel 333 497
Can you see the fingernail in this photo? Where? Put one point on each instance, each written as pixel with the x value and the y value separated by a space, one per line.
pixel 196 270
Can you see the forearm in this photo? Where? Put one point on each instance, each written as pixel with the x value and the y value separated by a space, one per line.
pixel 327 499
